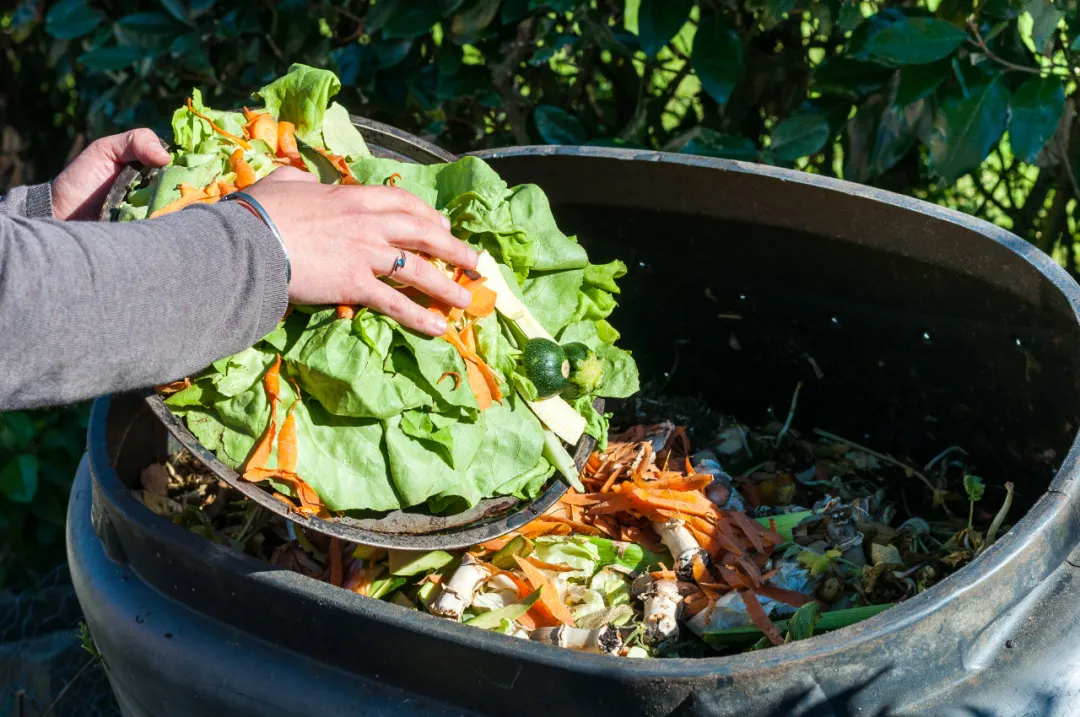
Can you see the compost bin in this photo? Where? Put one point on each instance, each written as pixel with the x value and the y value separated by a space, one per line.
pixel 911 327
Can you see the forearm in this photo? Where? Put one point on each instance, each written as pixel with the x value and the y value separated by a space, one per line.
pixel 91 308
pixel 32 202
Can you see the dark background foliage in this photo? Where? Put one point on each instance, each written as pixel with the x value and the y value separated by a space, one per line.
pixel 971 105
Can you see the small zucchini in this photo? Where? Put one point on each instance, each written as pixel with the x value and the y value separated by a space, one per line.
pixel 546 366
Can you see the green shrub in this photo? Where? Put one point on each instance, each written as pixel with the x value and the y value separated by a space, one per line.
pixel 39 453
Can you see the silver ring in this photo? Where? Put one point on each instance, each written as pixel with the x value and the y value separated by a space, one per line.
pixel 399 263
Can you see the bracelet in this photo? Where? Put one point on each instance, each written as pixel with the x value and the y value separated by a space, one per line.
pixel 258 209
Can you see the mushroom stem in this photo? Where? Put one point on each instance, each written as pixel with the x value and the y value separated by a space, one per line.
pixel 604 640
pixel 458 592
pixel 682 545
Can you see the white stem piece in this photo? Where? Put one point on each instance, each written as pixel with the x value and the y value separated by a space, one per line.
pixel 682 545
pixel 603 640
pixel 663 606
pixel 458 592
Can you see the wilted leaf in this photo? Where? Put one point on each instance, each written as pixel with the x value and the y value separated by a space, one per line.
pixel 799 136
pixel 966 129
pixel 717 57
pixel 659 20
pixel 802 623
pixel 615 614
pixel 70 19
pixel 817 563
pixel 974 487
pixel 885 555
pixel 19 479
pixel 915 41
pixel 1036 109
pixel 558 127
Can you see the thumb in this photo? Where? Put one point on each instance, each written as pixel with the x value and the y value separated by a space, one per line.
pixel 138 145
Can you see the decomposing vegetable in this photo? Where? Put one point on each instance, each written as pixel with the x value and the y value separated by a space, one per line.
pixel 457 593
pixel 663 608
pixel 640 562
pixel 381 418
pixel 604 640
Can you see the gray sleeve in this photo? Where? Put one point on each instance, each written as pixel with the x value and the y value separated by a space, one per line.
pixel 89 308
pixel 33 202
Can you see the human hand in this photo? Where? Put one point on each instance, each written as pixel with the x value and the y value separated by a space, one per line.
pixel 79 190
pixel 342 238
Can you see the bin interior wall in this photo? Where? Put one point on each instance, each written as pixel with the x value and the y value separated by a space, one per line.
pixel 963 343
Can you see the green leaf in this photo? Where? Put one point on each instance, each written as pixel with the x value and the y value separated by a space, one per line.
pixel 71 19
pixel 920 81
pixel 710 143
pixel 111 58
pixel 474 17
pixel 16 430
pixel 974 487
pixel 717 57
pixel 1045 18
pixel 799 136
pixel 915 41
pixel 786 522
pixel 833 620
pixel 659 21
pixel 403 19
pixel 19 479
pixel 493 619
pixel 775 11
pixel 628 555
pixel 177 9
pixel 1035 111
pixel 850 77
pixel 558 127
pixel 966 129
pixel 301 97
pixel 150 23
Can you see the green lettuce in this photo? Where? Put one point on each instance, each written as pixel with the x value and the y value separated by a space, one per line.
pixel 301 97
pixel 385 417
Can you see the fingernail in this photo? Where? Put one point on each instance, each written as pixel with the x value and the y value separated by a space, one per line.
pixel 439 325
pixel 464 298
pixel 445 222
pixel 474 256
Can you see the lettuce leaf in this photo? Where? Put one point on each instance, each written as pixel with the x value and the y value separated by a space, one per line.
pixel 621 377
pixel 301 97
pixel 340 135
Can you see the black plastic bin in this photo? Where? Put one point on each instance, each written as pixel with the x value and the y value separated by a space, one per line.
pixel 930 329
